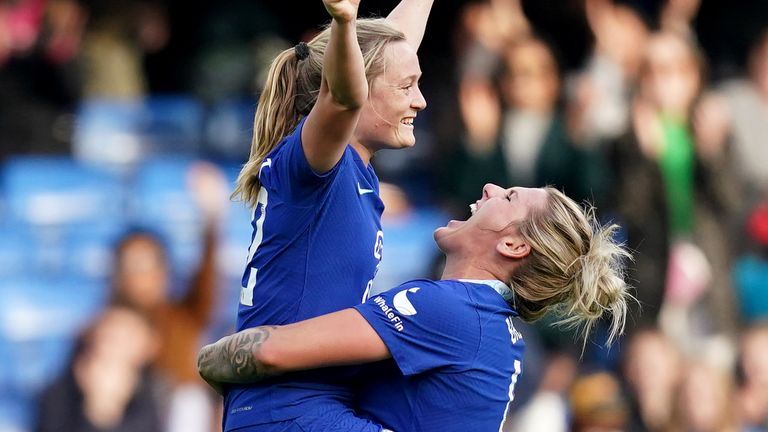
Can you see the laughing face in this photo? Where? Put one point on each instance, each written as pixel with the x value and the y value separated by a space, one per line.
pixel 386 120
pixel 495 218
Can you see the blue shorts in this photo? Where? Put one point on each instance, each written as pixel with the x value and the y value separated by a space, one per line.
pixel 345 421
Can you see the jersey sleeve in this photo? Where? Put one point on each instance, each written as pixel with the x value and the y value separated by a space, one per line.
pixel 287 170
pixel 425 326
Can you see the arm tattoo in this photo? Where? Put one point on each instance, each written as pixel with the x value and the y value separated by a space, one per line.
pixel 235 358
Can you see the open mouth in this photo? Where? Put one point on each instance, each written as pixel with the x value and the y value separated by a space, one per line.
pixel 407 122
pixel 474 207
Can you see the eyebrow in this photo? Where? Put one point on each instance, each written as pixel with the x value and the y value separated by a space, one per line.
pixel 411 77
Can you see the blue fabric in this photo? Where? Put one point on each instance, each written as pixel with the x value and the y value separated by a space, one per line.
pixel 343 420
pixel 456 357
pixel 750 274
pixel 315 249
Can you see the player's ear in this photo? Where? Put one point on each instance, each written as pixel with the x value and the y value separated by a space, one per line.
pixel 513 246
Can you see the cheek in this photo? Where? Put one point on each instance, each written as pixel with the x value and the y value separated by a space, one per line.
pixel 501 216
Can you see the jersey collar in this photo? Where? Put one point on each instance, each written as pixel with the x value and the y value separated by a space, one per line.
pixel 500 287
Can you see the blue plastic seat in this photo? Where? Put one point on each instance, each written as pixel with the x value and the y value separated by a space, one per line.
pixel 56 191
pixel 163 203
pixel 123 133
pixel 106 132
pixel 16 413
pixel 17 250
pixel 229 129
pixel 39 320
pixel 172 124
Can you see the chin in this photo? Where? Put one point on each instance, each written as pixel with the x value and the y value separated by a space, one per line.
pixel 439 235
pixel 400 144
pixel 405 139
pixel 443 237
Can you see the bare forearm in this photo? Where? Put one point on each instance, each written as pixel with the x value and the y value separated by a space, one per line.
pixel 343 67
pixel 410 17
pixel 237 358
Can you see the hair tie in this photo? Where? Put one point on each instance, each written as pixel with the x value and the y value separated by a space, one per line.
pixel 302 50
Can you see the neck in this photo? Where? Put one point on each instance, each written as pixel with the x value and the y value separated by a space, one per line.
pixel 362 151
pixel 464 268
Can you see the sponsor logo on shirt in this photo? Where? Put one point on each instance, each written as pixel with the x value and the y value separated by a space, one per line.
pixel 402 304
pixel 396 321
pixel 362 191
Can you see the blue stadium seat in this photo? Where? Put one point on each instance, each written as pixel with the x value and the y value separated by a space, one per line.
pixel 16 413
pixel 106 132
pixel 56 191
pixel 17 250
pixel 163 203
pixel 39 319
pixel 122 133
pixel 229 128
pixel 172 124
pixel 89 254
pixel 62 217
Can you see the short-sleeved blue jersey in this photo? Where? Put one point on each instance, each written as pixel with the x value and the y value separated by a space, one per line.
pixel 316 245
pixel 457 356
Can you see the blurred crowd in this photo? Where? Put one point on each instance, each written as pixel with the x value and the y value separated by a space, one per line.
pixel 663 137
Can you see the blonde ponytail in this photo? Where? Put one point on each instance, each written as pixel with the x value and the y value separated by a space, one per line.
pixel 575 269
pixel 275 116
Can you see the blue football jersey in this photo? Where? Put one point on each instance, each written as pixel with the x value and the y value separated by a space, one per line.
pixel 316 246
pixel 457 356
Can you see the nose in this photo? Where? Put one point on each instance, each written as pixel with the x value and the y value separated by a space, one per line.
pixel 418 103
pixel 491 190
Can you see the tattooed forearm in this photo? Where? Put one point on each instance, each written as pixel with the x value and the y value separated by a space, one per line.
pixel 235 358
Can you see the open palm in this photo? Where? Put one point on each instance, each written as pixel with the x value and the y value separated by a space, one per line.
pixel 342 10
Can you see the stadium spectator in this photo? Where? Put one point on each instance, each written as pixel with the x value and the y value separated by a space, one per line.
pixel 142 278
pixel 753 387
pixel 750 271
pixel 705 400
pixel 674 169
pixel 652 369
pixel 748 105
pixel 108 385
pixel 597 403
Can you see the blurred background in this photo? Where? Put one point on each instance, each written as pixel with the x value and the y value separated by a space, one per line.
pixel 123 124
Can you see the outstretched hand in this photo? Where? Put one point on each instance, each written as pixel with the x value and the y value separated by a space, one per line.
pixel 342 10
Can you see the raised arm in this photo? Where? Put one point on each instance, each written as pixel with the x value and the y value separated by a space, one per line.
pixel 343 90
pixel 410 17
pixel 340 338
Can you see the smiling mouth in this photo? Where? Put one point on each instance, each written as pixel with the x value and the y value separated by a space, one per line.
pixel 407 122
pixel 472 208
